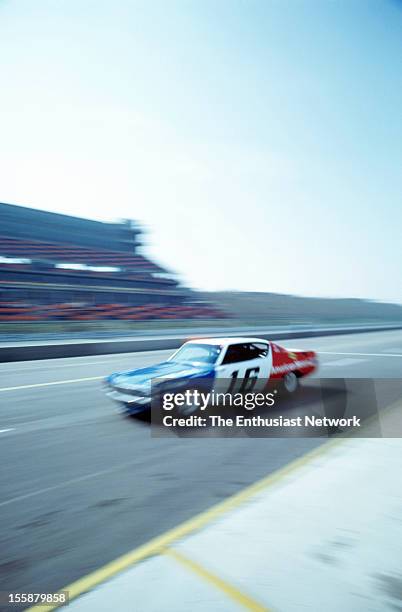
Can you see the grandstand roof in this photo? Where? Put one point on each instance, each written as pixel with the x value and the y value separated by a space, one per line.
pixel 33 224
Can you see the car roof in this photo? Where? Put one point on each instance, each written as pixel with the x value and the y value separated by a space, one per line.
pixel 225 341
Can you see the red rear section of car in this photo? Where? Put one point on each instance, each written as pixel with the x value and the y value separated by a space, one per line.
pixel 287 360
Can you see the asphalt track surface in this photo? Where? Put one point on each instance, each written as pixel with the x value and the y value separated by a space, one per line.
pixel 81 485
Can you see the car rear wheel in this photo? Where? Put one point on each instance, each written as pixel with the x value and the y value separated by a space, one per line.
pixel 290 382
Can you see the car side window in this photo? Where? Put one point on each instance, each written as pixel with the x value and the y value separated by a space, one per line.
pixel 231 354
pixel 245 352
pixel 259 349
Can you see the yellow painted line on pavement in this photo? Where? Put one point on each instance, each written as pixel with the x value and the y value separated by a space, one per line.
pixel 50 384
pixel 157 545
pixel 231 591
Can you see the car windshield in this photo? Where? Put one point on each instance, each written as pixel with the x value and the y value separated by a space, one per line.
pixel 199 353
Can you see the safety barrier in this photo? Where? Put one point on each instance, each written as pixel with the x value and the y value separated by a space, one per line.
pixel 56 350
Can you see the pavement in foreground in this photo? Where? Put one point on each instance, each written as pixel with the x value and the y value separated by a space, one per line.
pixel 81 485
pixel 324 536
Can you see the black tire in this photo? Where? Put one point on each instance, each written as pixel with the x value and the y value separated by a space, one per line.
pixel 188 409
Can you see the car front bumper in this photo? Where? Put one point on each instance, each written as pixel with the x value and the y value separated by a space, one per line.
pixel 130 404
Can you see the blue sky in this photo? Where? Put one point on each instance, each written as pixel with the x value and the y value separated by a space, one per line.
pixel 258 141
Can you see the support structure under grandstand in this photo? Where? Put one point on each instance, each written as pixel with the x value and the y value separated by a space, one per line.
pixel 58 267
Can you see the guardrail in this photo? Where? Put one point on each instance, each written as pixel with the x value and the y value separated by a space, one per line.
pixel 57 350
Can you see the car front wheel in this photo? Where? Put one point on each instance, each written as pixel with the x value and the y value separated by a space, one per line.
pixel 189 408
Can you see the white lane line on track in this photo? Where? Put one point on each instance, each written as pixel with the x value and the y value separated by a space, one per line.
pixel 361 354
pixel 5 430
pixel 48 384
pixel 342 362
pixel 121 356
pixel 66 483
pixel 65 365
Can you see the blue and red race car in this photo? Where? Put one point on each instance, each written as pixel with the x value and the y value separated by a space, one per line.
pixel 250 362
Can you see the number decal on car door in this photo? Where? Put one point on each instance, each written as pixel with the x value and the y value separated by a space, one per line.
pixel 247 383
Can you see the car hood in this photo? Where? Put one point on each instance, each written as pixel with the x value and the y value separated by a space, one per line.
pixel 141 378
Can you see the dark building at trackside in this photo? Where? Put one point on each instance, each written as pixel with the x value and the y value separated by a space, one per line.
pixel 55 259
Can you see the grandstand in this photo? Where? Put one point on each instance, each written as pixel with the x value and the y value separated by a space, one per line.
pixel 57 267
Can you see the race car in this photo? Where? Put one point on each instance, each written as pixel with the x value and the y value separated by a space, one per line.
pixel 249 363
